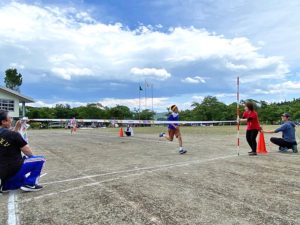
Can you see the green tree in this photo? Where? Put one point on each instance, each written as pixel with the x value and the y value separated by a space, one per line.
pixel 231 111
pixel 186 115
pixel 146 114
pixel 33 112
pixel 268 113
pixel 62 111
pixel 13 80
pixel 40 113
pixel 120 112
pixel 209 109
pixel 90 112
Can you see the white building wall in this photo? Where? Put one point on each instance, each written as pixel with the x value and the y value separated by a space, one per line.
pixel 16 112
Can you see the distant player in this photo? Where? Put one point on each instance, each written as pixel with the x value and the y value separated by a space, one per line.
pixel 129 131
pixel 173 129
pixel 73 125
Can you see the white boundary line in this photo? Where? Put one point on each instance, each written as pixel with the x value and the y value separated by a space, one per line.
pixel 141 170
pixel 150 217
pixel 12 209
pixel 152 140
pixel 44 174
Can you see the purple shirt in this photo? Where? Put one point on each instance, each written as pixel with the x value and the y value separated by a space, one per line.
pixel 173 117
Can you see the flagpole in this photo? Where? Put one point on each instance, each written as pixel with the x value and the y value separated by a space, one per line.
pixel 238 114
pixel 152 95
pixel 145 95
pixel 139 101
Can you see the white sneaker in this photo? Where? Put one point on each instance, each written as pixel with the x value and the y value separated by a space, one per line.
pixel 161 134
pixel 31 188
pixel 182 151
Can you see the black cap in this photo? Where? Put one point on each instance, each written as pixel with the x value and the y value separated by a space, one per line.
pixel 286 115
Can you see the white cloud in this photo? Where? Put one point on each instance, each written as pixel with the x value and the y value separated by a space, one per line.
pixel 160 74
pixel 160 104
pixel 134 102
pixel 67 73
pixel 224 95
pixel 114 84
pixel 50 42
pixel 67 43
pixel 85 17
pixel 51 105
pixel 279 90
pixel 190 80
pixel 288 85
pixel 236 67
pixel 194 80
pixel 16 65
pixel 56 59
pixel 198 97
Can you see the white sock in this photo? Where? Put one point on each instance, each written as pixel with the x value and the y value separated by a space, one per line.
pixel 181 148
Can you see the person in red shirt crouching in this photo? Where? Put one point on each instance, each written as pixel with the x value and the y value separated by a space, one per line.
pixel 253 127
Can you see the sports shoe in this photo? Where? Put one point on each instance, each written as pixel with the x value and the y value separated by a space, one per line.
pixel 252 153
pixel 283 149
pixel 32 188
pixel 182 151
pixel 1 187
pixel 2 190
pixel 295 149
pixel 161 134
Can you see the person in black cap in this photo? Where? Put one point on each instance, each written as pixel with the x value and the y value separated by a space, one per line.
pixel 288 140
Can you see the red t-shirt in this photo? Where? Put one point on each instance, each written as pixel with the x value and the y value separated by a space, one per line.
pixel 252 122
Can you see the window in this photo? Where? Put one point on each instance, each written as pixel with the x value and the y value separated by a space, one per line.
pixel 7 104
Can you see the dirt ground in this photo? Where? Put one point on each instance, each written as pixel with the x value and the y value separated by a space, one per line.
pixel 96 177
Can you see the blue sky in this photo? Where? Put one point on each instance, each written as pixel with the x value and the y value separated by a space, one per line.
pixel 79 52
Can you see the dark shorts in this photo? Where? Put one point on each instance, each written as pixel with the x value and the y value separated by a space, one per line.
pixel 173 133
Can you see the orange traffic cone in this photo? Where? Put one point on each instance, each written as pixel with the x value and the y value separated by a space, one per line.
pixel 121 132
pixel 261 146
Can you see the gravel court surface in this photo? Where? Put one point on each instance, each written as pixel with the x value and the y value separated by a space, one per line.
pixel 95 177
pixel 3 208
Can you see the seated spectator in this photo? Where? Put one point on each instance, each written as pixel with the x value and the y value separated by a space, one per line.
pixel 17 171
pixel 129 131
